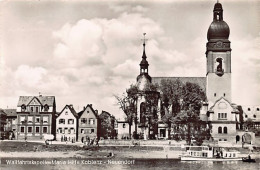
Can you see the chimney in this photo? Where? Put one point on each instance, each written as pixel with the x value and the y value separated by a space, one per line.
pixel 90 105
pixel 40 95
pixel 96 111
pixel 71 105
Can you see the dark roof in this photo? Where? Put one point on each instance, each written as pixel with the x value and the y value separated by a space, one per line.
pixel 10 112
pixel 89 105
pixel 218 30
pixel 49 100
pixel 201 81
pixel 2 112
pixel 71 109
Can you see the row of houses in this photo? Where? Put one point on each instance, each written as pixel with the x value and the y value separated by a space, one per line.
pixel 36 116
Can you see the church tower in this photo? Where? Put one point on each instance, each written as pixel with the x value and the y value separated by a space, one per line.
pixel 143 78
pixel 218 58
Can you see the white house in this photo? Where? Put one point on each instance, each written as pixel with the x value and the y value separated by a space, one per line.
pixel 66 124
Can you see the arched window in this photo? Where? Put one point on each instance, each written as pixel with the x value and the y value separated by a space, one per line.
pixel 23 108
pixel 219 129
pixel 46 108
pixel 142 112
pixel 225 130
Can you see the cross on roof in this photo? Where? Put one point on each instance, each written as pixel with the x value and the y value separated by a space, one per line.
pixel 144 38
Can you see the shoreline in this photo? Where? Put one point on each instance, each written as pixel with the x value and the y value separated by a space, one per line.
pixel 103 155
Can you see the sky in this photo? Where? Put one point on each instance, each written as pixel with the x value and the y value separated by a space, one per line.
pixel 87 52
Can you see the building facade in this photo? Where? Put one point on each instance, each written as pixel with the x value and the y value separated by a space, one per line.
pixel 35 117
pixel 222 116
pixel 88 123
pixel 67 124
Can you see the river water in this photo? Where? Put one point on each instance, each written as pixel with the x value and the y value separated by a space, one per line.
pixel 128 164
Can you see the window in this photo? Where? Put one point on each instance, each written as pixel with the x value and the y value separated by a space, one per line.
pixel 215 94
pixel 116 125
pixel 22 129
pixel 123 125
pixel 245 116
pixel 219 129
pixel 72 130
pixel 37 109
pixel 13 121
pixel 83 120
pixel 257 109
pixel 222 115
pixel 225 130
pixel 71 121
pixel 37 129
pixel 66 130
pixel 62 121
pixel 30 119
pixel 23 108
pixel 66 113
pixel 37 119
pixel 82 131
pixel 92 130
pixel 45 129
pixel 224 94
pixel 248 109
pixel 46 108
pixel 45 119
pixel 254 116
pixel 91 121
pixel 22 119
pixel 31 109
pixel 59 130
pixel 29 129
pixel 225 139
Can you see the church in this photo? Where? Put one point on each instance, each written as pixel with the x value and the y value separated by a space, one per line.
pixel 222 116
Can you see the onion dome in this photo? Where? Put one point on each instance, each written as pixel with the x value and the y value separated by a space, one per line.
pixel 218 29
pixel 218 32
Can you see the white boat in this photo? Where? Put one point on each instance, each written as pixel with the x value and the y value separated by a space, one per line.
pixel 205 153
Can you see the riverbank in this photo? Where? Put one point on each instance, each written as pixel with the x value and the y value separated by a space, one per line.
pixel 18 149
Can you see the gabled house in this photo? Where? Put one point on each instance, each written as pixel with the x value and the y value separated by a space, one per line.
pixel 66 124
pixel 35 117
pixel 88 123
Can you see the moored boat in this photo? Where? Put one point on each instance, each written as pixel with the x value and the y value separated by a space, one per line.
pixel 205 153
pixel 248 159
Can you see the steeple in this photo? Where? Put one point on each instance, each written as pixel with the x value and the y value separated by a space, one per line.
pixel 144 63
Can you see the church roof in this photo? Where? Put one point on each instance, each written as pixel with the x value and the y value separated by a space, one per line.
pixel 201 81
pixel 49 100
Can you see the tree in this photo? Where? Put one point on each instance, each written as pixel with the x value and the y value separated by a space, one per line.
pixel 106 125
pixel 182 103
pixel 128 105
pixel 171 92
pixel 151 96
pixel 249 124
